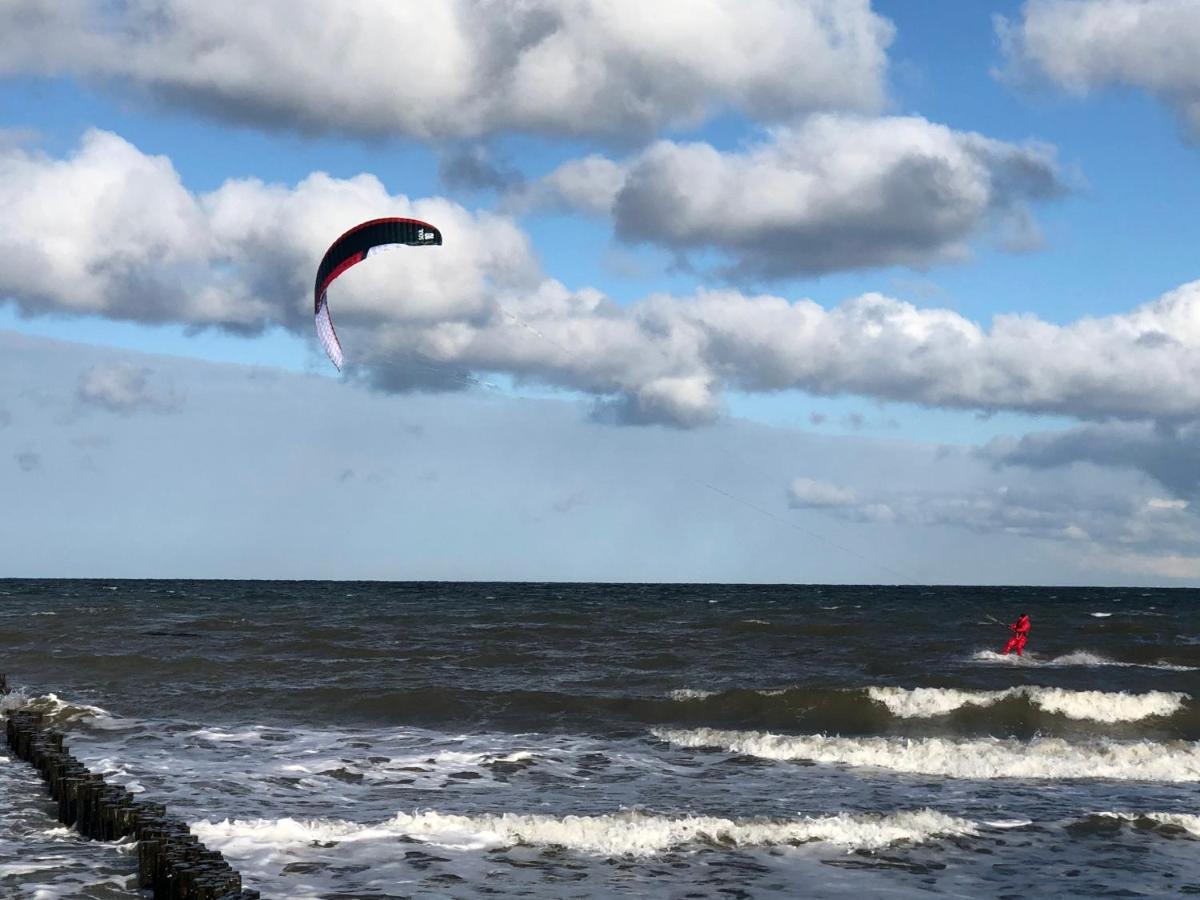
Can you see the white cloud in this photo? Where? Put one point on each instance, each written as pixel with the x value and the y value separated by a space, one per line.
pixel 465 67
pixel 1081 46
pixel 110 231
pixel 835 193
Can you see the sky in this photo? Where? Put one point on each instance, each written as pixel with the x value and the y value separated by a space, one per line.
pixel 809 291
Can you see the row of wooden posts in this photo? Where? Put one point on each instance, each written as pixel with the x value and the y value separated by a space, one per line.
pixel 171 860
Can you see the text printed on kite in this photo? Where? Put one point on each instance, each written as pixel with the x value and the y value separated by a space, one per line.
pixel 359 243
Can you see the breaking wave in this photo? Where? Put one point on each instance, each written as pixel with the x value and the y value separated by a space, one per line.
pixel 620 834
pixel 1098 706
pixel 978 759
pixel 62 714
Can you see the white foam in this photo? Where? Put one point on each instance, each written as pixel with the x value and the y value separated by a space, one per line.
pixel 1097 706
pixel 978 759
pixel 1100 615
pixel 626 833
pixel 1074 658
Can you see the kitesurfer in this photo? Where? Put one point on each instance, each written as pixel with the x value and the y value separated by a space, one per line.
pixel 1020 629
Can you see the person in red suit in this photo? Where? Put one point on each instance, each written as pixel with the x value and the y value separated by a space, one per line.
pixel 1020 629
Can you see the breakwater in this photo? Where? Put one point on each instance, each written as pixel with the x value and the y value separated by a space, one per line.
pixel 172 862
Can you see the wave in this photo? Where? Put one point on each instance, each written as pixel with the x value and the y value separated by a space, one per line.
pixel 63 713
pixel 978 759
pixel 627 833
pixel 1074 658
pixel 1183 821
pixel 875 708
pixel 1108 707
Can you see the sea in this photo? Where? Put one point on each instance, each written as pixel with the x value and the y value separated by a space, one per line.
pixel 383 740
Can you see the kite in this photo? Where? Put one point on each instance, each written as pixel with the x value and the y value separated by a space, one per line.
pixel 353 247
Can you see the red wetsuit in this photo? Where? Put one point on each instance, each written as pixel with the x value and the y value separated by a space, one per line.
pixel 1020 630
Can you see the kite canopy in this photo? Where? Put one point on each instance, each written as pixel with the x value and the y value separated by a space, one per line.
pixel 352 248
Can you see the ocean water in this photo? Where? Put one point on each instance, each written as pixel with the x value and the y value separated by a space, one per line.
pixel 375 740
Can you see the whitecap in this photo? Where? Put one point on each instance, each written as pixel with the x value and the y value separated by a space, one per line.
pixel 978 759
pixel 626 833
pixel 1098 706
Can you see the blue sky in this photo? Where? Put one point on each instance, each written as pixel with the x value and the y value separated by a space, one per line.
pixel 950 244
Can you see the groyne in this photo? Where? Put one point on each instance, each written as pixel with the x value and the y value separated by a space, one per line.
pixel 172 863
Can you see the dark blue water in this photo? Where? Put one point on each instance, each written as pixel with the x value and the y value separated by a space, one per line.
pixel 552 740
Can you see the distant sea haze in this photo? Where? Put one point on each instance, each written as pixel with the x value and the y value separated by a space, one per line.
pixel 345 739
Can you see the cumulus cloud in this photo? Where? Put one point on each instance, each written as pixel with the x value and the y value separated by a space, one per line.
pixel 838 192
pixel 110 231
pixel 1082 45
pixel 124 388
pixel 465 67
pixel 1166 452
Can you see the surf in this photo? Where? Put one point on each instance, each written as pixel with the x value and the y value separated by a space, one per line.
pixel 979 759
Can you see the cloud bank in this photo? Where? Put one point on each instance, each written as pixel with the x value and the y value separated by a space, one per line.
pixel 110 231
pixel 462 483
pixel 1165 452
pixel 464 67
pixel 1133 530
